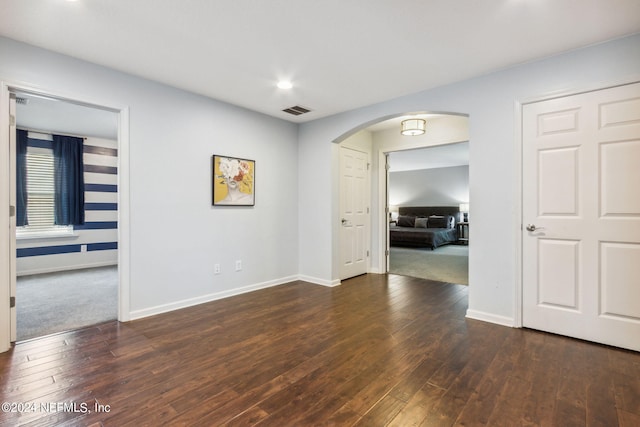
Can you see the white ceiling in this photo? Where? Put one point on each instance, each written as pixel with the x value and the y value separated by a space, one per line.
pixel 339 54
pixel 61 117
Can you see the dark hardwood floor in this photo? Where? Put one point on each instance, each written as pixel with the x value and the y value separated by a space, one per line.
pixel 378 350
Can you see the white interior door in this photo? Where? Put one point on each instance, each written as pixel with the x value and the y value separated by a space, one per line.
pixel 581 216
pixel 354 212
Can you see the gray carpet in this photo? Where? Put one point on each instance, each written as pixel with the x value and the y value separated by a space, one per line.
pixel 57 302
pixel 448 263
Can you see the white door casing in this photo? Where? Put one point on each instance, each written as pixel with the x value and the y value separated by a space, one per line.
pixel 387 247
pixel 354 212
pixel 5 218
pixel 12 220
pixel 7 184
pixel 581 216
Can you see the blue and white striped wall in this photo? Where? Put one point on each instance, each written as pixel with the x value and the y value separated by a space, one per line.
pixel 95 243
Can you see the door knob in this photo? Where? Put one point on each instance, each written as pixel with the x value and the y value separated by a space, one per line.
pixel 344 221
pixel 531 227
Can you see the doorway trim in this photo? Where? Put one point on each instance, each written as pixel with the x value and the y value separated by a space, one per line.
pixel 124 266
pixel 383 157
pixel 519 191
pixel 377 185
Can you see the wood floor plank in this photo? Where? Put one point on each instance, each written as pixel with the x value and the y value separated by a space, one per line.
pixel 377 350
pixel 483 400
pixel 510 408
pixel 628 419
pixel 418 407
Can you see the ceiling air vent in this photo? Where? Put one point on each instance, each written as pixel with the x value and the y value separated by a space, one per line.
pixel 296 110
pixel 20 100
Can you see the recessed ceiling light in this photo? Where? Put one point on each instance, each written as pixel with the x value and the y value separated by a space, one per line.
pixel 284 84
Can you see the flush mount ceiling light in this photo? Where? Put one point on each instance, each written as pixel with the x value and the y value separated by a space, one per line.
pixel 284 84
pixel 413 127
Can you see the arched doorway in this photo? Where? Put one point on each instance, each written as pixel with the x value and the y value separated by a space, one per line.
pixel 384 137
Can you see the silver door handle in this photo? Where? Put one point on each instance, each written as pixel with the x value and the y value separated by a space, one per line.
pixel 531 227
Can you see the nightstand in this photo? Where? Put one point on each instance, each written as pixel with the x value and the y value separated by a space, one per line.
pixel 463 233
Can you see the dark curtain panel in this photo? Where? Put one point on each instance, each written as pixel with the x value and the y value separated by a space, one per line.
pixel 21 178
pixel 68 180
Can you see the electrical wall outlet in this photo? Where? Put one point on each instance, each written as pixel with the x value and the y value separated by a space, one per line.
pixel 216 268
pixel 238 265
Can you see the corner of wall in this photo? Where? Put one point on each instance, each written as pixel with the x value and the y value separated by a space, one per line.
pixel 490 318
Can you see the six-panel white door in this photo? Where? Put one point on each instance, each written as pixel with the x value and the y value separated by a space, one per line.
pixel 354 212
pixel 581 216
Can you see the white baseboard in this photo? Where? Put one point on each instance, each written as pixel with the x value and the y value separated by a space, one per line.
pixel 165 308
pixel 491 318
pixel 152 311
pixel 31 272
pixel 316 281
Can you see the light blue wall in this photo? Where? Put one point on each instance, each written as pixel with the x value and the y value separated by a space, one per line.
pixel 175 235
pixel 491 103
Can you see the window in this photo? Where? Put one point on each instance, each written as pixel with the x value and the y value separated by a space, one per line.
pixel 40 197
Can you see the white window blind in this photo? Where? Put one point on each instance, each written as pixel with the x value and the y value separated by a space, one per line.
pixel 40 195
pixel 40 187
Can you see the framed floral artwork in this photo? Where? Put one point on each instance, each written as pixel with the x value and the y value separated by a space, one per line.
pixel 233 181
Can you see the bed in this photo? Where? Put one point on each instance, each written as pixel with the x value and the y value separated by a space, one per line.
pixel 425 226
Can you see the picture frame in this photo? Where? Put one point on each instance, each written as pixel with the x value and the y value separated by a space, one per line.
pixel 233 181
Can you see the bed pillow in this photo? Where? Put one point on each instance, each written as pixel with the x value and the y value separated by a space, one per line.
pixel 421 222
pixel 436 221
pixel 406 221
